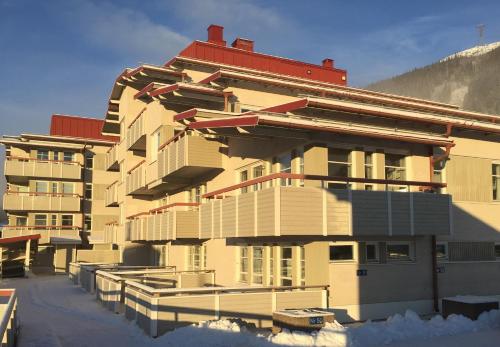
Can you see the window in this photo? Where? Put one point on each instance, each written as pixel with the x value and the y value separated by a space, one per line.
pixel 88 222
pixel 258 171
pixel 243 178
pixel 497 250
pixel 89 161
pixel 196 193
pixel 40 220
pixel 395 167
pixel 285 166
pixel 257 263
pixel 442 251
pixel 196 257
pixel 53 187
pixel 496 181
pixel 67 188
pixel 53 219
pixel 286 266
pixel 271 266
pixel 341 252
pixel 68 156
pixel 302 252
pixel 399 251
pixel 41 187
pixel 21 221
pixel 368 165
pixel 243 264
pixel 55 155
pixel 67 220
pixel 372 252
pixel 88 191
pixel 339 162
pixel 42 154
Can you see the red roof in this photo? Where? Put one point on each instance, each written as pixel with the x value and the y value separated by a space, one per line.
pixel 81 127
pixel 242 54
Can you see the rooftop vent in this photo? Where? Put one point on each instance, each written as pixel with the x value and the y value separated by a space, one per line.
pixel 245 44
pixel 328 63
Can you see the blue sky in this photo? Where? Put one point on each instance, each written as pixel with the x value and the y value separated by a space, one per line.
pixel 63 56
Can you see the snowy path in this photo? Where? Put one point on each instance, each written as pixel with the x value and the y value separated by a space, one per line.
pixel 54 312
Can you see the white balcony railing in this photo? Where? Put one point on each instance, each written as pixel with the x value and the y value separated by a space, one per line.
pixel 31 167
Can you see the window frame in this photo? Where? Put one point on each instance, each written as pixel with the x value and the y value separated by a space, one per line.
pixel 377 252
pixel 40 156
pixel 395 168
pixel 64 222
pixel 255 274
pixel 411 249
pixel 446 251
pixel 86 197
pixel 243 275
pixel 68 184
pixel 71 156
pixel 42 182
pixel 354 247
pixel 35 220
pixel 87 221
pixel 89 158
pixel 495 177
pixel 289 265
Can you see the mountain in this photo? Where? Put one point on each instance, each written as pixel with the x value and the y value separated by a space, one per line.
pixel 469 79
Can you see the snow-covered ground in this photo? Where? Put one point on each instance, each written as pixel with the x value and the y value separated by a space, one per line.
pixel 54 312
pixel 473 52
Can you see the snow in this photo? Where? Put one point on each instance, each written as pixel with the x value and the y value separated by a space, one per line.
pixel 471 299
pixel 473 52
pixel 54 312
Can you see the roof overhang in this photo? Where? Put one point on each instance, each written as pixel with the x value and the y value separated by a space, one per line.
pixel 8 240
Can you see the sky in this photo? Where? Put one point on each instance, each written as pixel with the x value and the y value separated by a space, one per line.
pixel 62 56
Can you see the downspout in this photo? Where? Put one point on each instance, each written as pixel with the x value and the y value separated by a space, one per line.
pixel 433 161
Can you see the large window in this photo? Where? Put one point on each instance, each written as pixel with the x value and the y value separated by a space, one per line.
pixel 395 167
pixel 258 171
pixel 341 252
pixel 21 221
pixel 400 251
pixel 196 257
pixel 88 191
pixel 285 166
pixel 339 162
pixel 41 187
pixel 68 188
pixel 68 156
pixel 496 181
pixel 42 154
pixel 88 222
pixel 286 266
pixel 257 264
pixel 302 252
pixel 372 252
pixel 67 220
pixel 243 264
pixel 243 178
pixel 40 220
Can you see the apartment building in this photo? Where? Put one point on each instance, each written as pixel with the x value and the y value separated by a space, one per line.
pixel 273 172
pixel 56 188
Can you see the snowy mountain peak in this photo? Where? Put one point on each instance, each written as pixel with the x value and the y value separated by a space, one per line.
pixel 474 51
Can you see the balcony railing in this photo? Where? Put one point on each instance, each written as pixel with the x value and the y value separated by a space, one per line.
pixel 135 182
pixel 31 201
pixel 163 224
pixel 111 160
pixel 61 232
pixel 294 210
pixel 9 321
pixel 32 167
pixel 185 157
pixel 111 197
pixel 136 133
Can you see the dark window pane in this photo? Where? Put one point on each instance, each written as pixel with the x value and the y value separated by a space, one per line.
pixel 394 160
pixel 371 252
pixel 497 251
pixel 341 253
pixel 341 170
pixel 398 252
pixel 440 251
pixel 339 155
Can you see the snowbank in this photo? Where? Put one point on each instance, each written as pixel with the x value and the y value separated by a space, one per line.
pixel 473 52
pixel 397 328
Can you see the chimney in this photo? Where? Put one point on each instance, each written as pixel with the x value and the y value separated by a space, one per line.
pixel 245 44
pixel 328 63
pixel 216 35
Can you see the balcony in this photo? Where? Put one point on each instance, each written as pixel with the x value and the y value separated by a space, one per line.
pixel 316 211
pixel 31 167
pixel 29 201
pixel 160 224
pixel 111 160
pixel 135 182
pixel 136 134
pixel 58 234
pixel 186 157
pixel 111 197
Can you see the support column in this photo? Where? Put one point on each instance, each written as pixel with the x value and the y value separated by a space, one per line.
pixel 315 163
pixel 27 255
